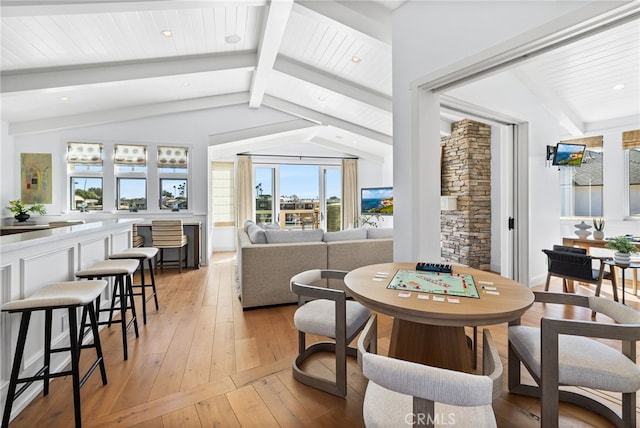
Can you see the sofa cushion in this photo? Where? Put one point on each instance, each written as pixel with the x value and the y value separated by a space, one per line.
pixel 248 223
pixel 345 235
pixel 284 236
pixel 375 233
pixel 256 234
pixel 272 226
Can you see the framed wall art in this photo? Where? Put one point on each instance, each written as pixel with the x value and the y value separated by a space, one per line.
pixel 35 178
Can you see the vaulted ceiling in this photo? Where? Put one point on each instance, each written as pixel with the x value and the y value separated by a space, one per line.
pixel 70 63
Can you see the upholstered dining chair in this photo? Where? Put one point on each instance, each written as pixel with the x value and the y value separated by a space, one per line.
pixel 403 393
pixel 327 312
pixel 564 352
pixel 168 234
pixel 574 264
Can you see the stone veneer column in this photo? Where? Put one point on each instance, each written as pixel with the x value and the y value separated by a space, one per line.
pixel 466 173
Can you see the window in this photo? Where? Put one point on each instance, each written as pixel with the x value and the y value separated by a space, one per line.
pixel 132 194
pixel 173 170
pixel 264 185
pixel 84 166
pixel 86 193
pixel 130 163
pixel 309 195
pixel 631 143
pixel 581 186
pixel 173 194
pixel 222 191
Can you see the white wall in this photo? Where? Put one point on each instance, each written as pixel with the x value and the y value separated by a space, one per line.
pixel 506 93
pixel 191 128
pixel 9 168
pixel 425 47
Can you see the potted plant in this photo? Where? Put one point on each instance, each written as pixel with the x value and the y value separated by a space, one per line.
pixel 598 225
pixel 21 211
pixel 367 220
pixel 623 248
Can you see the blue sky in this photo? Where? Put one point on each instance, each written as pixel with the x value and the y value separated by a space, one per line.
pixel 301 180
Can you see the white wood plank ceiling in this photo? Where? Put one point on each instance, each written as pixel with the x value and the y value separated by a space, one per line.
pixel 69 63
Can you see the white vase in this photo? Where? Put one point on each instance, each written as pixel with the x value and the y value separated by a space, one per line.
pixel 598 234
pixel 622 258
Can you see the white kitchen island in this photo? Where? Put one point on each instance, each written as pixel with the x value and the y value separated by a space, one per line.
pixel 31 260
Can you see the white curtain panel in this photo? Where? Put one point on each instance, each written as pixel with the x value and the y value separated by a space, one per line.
pixel 349 192
pixel 244 190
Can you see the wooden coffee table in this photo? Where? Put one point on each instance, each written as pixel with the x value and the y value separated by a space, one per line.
pixel 432 332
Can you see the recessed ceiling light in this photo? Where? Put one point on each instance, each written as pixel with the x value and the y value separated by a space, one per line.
pixel 322 98
pixel 355 60
pixel 618 87
pixel 232 39
pixel 64 98
pixel 167 34
pixel 186 84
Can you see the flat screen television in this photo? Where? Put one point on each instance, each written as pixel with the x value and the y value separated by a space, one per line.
pixel 376 200
pixel 568 154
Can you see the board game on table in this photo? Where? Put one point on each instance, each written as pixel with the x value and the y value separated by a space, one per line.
pixel 452 284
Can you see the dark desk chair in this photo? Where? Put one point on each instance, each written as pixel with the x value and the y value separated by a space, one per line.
pixel 574 264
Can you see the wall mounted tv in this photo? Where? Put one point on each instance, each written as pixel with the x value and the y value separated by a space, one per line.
pixel 568 154
pixel 376 200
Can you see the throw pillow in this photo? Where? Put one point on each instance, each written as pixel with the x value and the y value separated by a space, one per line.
pixel 271 226
pixel 256 234
pixel 345 235
pixel 285 236
pixel 375 233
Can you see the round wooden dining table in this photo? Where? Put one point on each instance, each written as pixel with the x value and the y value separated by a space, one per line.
pixel 431 331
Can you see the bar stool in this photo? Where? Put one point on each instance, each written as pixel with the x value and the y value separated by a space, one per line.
pixel 141 254
pixel 121 271
pixel 61 295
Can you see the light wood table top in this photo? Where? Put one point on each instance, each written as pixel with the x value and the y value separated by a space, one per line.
pixel 514 298
pixel 431 332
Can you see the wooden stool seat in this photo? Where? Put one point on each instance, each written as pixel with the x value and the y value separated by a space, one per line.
pixel 121 271
pixel 62 295
pixel 141 254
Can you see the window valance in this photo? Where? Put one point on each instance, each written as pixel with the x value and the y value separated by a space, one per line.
pixel 631 140
pixel 126 154
pixel 84 153
pixel 590 142
pixel 172 157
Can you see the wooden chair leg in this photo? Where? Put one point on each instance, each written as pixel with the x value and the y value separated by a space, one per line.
pixel 614 282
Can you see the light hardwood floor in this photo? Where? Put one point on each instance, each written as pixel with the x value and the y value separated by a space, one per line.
pixel 202 362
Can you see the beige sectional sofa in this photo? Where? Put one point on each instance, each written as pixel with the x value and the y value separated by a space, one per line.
pixel 265 268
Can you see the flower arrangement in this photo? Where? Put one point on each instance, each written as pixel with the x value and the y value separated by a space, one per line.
pixel 598 223
pixel 622 244
pixel 18 207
